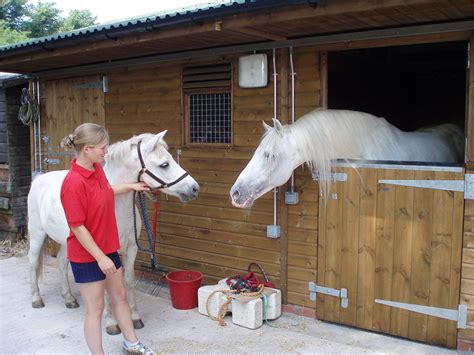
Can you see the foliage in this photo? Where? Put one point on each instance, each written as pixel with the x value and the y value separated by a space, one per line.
pixel 13 12
pixel 7 35
pixel 20 20
pixel 78 19
pixel 43 19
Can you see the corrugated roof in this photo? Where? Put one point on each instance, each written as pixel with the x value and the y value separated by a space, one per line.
pixel 149 19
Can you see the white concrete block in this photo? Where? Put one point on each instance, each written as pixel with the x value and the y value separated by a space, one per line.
pixel 248 314
pixel 273 310
pixel 217 300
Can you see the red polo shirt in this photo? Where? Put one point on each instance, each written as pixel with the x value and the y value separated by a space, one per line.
pixel 88 199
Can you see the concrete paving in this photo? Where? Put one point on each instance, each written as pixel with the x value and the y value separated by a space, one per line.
pixel 57 330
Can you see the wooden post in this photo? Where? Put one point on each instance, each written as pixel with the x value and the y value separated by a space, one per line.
pixel 323 74
pixel 470 110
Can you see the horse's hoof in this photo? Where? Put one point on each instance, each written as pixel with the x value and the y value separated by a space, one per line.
pixel 37 304
pixel 138 324
pixel 113 330
pixel 72 304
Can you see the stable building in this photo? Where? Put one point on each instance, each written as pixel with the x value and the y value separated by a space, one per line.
pixel 345 261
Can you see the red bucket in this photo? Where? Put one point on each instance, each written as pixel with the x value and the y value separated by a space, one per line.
pixel 184 287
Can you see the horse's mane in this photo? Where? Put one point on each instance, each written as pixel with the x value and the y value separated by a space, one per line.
pixel 340 134
pixel 119 150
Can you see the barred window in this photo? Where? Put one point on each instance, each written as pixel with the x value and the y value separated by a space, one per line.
pixel 209 118
pixel 208 104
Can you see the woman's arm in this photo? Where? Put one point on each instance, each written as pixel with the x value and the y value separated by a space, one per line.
pixel 137 186
pixel 82 234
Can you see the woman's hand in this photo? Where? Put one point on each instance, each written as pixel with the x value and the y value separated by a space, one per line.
pixel 136 186
pixel 106 265
pixel 139 186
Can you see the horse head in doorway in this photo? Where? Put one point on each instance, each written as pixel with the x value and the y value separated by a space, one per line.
pixel 322 136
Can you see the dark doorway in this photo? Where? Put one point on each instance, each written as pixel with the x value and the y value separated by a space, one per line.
pixel 411 86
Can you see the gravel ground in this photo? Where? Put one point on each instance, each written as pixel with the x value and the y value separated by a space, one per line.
pixel 55 329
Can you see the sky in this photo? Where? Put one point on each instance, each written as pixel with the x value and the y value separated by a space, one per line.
pixel 110 10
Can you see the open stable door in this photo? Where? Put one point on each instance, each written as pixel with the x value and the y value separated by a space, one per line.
pixel 66 103
pixel 386 247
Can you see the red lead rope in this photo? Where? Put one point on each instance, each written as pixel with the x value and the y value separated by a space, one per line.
pixel 155 218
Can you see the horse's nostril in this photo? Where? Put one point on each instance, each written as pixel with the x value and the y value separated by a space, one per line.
pixel 196 189
pixel 235 194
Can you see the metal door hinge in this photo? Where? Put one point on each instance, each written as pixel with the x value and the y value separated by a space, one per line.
pixel 50 161
pixel 466 185
pixel 459 315
pixel 342 293
pixel 332 176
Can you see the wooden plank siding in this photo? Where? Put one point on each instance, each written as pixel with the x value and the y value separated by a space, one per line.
pixel 209 234
pixel 467 270
pixel 15 175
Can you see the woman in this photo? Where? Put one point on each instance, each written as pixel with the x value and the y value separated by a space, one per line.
pixel 92 245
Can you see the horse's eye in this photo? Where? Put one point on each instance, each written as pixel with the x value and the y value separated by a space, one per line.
pixel 164 165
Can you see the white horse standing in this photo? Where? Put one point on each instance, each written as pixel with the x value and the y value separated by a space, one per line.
pixel 122 165
pixel 323 136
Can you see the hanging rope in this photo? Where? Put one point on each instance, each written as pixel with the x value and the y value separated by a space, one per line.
pixel 148 229
pixel 28 111
pixel 230 294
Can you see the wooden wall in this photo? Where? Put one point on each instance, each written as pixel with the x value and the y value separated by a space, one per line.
pixel 209 234
pixel 16 175
pixel 466 336
pixel 3 127
pixel 467 271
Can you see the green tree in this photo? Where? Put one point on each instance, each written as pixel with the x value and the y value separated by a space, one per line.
pixel 13 12
pixel 8 36
pixel 78 19
pixel 43 19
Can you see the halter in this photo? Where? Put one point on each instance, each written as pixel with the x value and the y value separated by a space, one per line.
pixel 153 176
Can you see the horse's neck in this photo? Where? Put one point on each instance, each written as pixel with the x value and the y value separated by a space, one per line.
pixel 118 174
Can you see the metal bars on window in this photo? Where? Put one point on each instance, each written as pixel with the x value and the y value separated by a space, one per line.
pixel 210 118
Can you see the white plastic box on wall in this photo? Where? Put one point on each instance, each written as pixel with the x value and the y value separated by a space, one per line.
pixel 253 71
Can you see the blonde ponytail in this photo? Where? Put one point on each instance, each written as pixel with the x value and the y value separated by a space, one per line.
pixel 90 134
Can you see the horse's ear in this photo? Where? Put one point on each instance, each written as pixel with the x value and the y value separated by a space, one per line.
pixel 277 125
pixel 151 144
pixel 267 127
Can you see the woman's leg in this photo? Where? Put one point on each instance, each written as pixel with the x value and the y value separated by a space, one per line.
pixel 93 295
pixel 118 298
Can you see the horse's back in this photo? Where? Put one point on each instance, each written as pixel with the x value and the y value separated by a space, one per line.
pixel 451 134
pixel 45 212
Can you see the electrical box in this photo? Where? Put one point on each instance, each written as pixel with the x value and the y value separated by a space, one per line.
pixel 273 231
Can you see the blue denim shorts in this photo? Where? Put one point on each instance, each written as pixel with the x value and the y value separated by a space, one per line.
pixel 91 272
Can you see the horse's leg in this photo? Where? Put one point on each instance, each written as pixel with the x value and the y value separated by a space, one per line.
pixel 111 325
pixel 63 263
pixel 35 255
pixel 128 260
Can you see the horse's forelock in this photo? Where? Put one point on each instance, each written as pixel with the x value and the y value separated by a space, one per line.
pixel 121 149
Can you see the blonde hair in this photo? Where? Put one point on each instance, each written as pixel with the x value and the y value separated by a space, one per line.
pixel 89 134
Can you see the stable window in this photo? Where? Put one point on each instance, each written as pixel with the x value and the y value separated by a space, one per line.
pixel 208 114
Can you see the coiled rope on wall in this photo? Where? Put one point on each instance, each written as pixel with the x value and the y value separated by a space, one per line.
pixel 28 111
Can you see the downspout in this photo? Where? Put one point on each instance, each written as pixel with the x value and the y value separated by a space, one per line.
pixel 39 126
pixel 291 197
pixel 273 231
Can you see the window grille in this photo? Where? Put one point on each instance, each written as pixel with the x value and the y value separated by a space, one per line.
pixel 210 118
pixel 207 89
